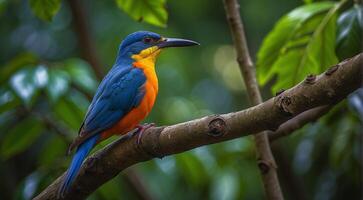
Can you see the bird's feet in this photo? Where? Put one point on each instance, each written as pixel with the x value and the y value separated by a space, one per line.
pixel 141 129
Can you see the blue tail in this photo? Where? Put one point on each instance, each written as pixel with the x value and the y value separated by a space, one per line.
pixel 82 151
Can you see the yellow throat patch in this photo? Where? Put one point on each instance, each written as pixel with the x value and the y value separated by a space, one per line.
pixel 147 57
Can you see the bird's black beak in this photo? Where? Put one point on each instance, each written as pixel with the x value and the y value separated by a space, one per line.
pixel 176 42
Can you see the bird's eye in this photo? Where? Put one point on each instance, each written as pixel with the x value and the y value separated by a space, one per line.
pixel 147 40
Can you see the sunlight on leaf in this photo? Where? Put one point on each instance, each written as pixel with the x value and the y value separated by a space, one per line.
pixel 25 84
pixel 308 1
pixel 150 11
pixel 30 185
pixel 81 74
pixel 41 76
pixel 58 84
pixel 8 100
pixel 225 186
pixel 45 9
pixel 294 48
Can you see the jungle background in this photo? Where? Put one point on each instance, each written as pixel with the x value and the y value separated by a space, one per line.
pixel 54 53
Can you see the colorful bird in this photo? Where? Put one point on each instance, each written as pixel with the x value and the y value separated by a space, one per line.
pixel 124 97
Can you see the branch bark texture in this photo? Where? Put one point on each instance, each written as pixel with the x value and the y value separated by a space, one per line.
pixel 327 88
pixel 265 159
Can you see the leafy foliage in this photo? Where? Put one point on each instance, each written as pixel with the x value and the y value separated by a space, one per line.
pixel 350 31
pixel 27 82
pixel 153 12
pixel 21 137
pixel 29 79
pixel 15 64
pixel 302 42
pixel 44 96
pixel 150 11
pixel 58 84
pixel 45 9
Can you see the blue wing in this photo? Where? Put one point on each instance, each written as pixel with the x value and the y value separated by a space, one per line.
pixel 119 92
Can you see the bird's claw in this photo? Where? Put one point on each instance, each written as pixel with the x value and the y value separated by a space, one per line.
pixel 141 129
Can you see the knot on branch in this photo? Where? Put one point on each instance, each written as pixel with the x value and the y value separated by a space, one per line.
pixel 310 79
pixel 217 127
pixel 283 104
pixel 264 166
pixel 331 70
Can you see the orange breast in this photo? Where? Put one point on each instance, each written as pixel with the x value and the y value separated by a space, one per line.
pixel 136 115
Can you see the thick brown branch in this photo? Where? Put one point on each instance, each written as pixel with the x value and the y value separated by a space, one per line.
pixel 327 88
pixel 265 159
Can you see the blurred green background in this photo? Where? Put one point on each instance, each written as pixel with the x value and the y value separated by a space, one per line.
pixel 47 81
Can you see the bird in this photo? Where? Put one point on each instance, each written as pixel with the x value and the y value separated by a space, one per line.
pixel 124 97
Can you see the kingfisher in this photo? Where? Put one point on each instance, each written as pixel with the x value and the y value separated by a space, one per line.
pixel 124 97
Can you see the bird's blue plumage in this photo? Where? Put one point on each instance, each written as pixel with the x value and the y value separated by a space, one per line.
pixel 119 92
pixel 82 151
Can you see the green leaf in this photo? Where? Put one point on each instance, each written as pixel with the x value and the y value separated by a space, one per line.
pixel 15 64
pixel 55 149
pixel 192 169
pixel 45 9
pixel 301 43
pixel 308 1
pixel 81 74
pixel 150 11
pixel 8 101
pixel 69 112
pixel 3 5
pixel 20 137
pixel 58 84
pixel 225 185
pixel 342 146
pixel 350 31
pixel 111 190
pixel 27 82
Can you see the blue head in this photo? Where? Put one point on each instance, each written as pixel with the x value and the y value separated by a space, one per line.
pixel 145 44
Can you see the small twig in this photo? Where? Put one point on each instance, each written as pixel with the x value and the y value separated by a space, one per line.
pixel 299 121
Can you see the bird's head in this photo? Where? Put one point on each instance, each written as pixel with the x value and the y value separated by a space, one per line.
pixel 147 45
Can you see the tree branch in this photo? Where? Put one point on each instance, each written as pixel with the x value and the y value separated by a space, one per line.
pixel 327 88
pixel 299 121
pixel 265 159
